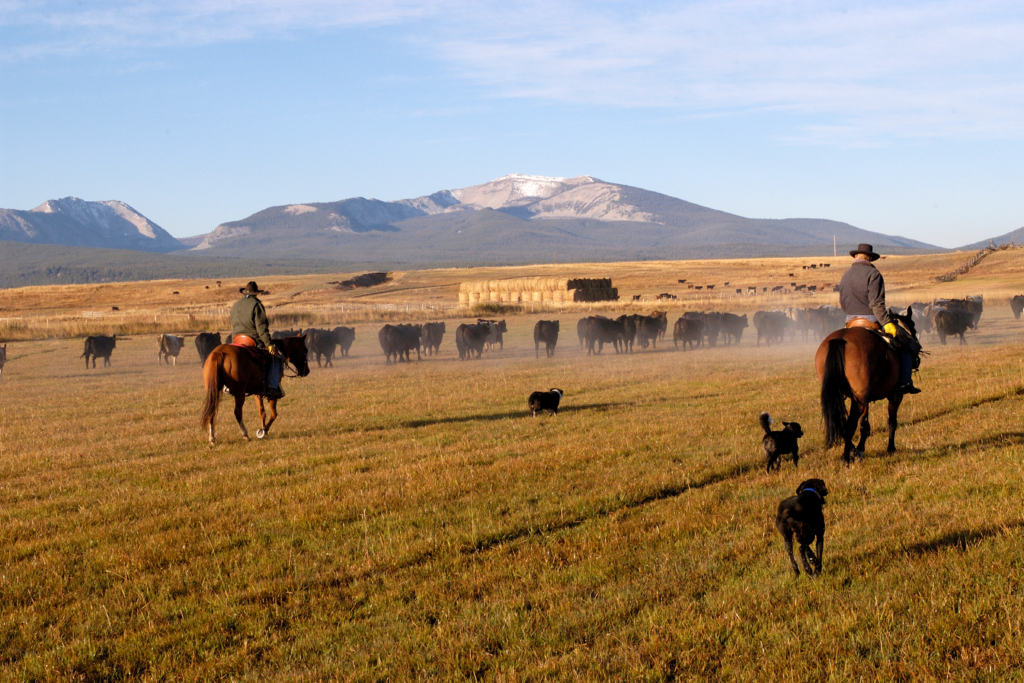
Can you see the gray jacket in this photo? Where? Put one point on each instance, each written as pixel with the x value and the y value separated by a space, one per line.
pixel 862 292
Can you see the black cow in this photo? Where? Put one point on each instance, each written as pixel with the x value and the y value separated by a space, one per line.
pixel 321 344
pixel 733 326
pixel 601 330
pixel 771 326
pixel 206 342
pixel 952 322
pixel 647 330
pixel 470 339
pixel 545 331
pixel 431 337
pixel 345 337
pixel 399 341
pixel 284 334
pixel 3 358
pixel 625 342
pixel 1017 305
pixel 99 347
pixel 581 330
pixel 689 331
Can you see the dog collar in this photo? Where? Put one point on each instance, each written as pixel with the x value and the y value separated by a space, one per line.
pixel 812 491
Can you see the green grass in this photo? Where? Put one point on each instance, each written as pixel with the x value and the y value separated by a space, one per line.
pixel 413 522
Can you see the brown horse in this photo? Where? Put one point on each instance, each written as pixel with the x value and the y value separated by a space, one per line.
pixel 858 364
pixel 236 370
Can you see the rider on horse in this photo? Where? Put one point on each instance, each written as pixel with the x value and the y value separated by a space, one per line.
pixel 862 297
pixel 250 328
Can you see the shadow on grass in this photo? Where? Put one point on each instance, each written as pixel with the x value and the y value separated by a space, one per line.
pixel 1019 391
pixel 663 493
pixel 1002 439
pixel 501 416
pixel 962 539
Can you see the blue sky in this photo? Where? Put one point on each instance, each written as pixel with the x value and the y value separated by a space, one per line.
pixel 905 118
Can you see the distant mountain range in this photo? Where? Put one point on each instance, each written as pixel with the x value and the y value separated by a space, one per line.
pixel 516 219
pixel 77 223
pixel 525 219
pixel 1012 236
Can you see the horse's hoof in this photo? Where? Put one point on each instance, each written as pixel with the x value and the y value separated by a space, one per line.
pixel 260 433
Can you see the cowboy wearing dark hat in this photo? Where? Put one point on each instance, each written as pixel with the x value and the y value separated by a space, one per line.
pixel 862 298
pixel 250 328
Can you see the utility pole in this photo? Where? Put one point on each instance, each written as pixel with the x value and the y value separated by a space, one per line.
pixel 835 254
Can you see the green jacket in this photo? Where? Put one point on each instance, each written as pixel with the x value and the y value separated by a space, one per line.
pixel 248 317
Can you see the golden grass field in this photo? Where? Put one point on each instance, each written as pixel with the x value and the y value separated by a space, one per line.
pixel 413 522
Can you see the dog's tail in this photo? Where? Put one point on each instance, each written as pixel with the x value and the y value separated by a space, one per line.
pixel 766 422
pixel 833 393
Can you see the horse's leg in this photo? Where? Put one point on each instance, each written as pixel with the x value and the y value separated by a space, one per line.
pixel 273 415
pixel 894 407
pixel 239 400
pixel 850 430
pixel 865 429
pixel 262 431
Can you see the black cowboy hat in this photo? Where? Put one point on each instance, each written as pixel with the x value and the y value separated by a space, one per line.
pixel 867 250
pixel 252 288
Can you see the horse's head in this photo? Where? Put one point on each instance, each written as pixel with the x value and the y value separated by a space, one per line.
pixel 294 351
pixel 906 320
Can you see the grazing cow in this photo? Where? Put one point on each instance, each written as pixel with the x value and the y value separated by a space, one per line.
pixel 321 344
pixel 495 335
pixel 3 358
pixel 1017 305
pixel 733 326
pixel 206 342
pixel 636 297
pixel 771 326
pixel 169 347
pixel 99 346
pixel 431 338
pixel 601 330
pixel 689 331
pixel 399 341
pixel 952 322
pixel 345 337
pixel 470 339
pixel 545 331
pixel 285 334
pixel 972 304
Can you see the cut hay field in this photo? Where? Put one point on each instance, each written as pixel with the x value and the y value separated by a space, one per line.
pixel 413 522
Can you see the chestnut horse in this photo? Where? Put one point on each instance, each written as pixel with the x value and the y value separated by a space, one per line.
pixel 235 369
pixel 858 364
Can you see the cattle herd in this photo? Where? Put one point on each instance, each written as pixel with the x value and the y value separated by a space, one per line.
pixel 942 317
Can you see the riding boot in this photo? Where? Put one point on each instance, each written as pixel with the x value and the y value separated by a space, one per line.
pixel 273 391
pixel 907 375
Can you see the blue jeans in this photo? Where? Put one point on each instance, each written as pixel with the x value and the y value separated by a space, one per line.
pixel 274 374
pixel 906 367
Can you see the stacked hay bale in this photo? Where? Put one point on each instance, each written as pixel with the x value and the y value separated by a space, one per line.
pixel 550 290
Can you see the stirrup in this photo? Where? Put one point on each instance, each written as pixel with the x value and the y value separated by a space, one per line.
pixel 908 388
pixel 274 394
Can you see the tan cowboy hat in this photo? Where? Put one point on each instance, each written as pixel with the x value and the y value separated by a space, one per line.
pixel 867 250
pixel 252 288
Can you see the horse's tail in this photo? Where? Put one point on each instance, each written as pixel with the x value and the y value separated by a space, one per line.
pixel 211 380
pixel 833 398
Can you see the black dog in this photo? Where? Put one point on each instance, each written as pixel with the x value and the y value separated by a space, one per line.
pixel 545 400
pixel 777 444
pixel 801 516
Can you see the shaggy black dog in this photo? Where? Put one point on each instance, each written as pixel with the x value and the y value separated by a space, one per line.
pixel 545 400
pixel 777 444
pixel 801 516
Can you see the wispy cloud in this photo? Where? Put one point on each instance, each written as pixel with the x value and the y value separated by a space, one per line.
pixel 864 72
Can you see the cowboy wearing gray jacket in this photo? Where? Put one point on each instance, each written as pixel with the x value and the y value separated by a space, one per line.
pixel 862 295
pixel 249 319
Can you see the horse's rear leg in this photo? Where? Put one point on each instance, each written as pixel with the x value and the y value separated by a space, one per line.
pixel 894 407
pixel 865 430
pixel 239 400
pixel 850 429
